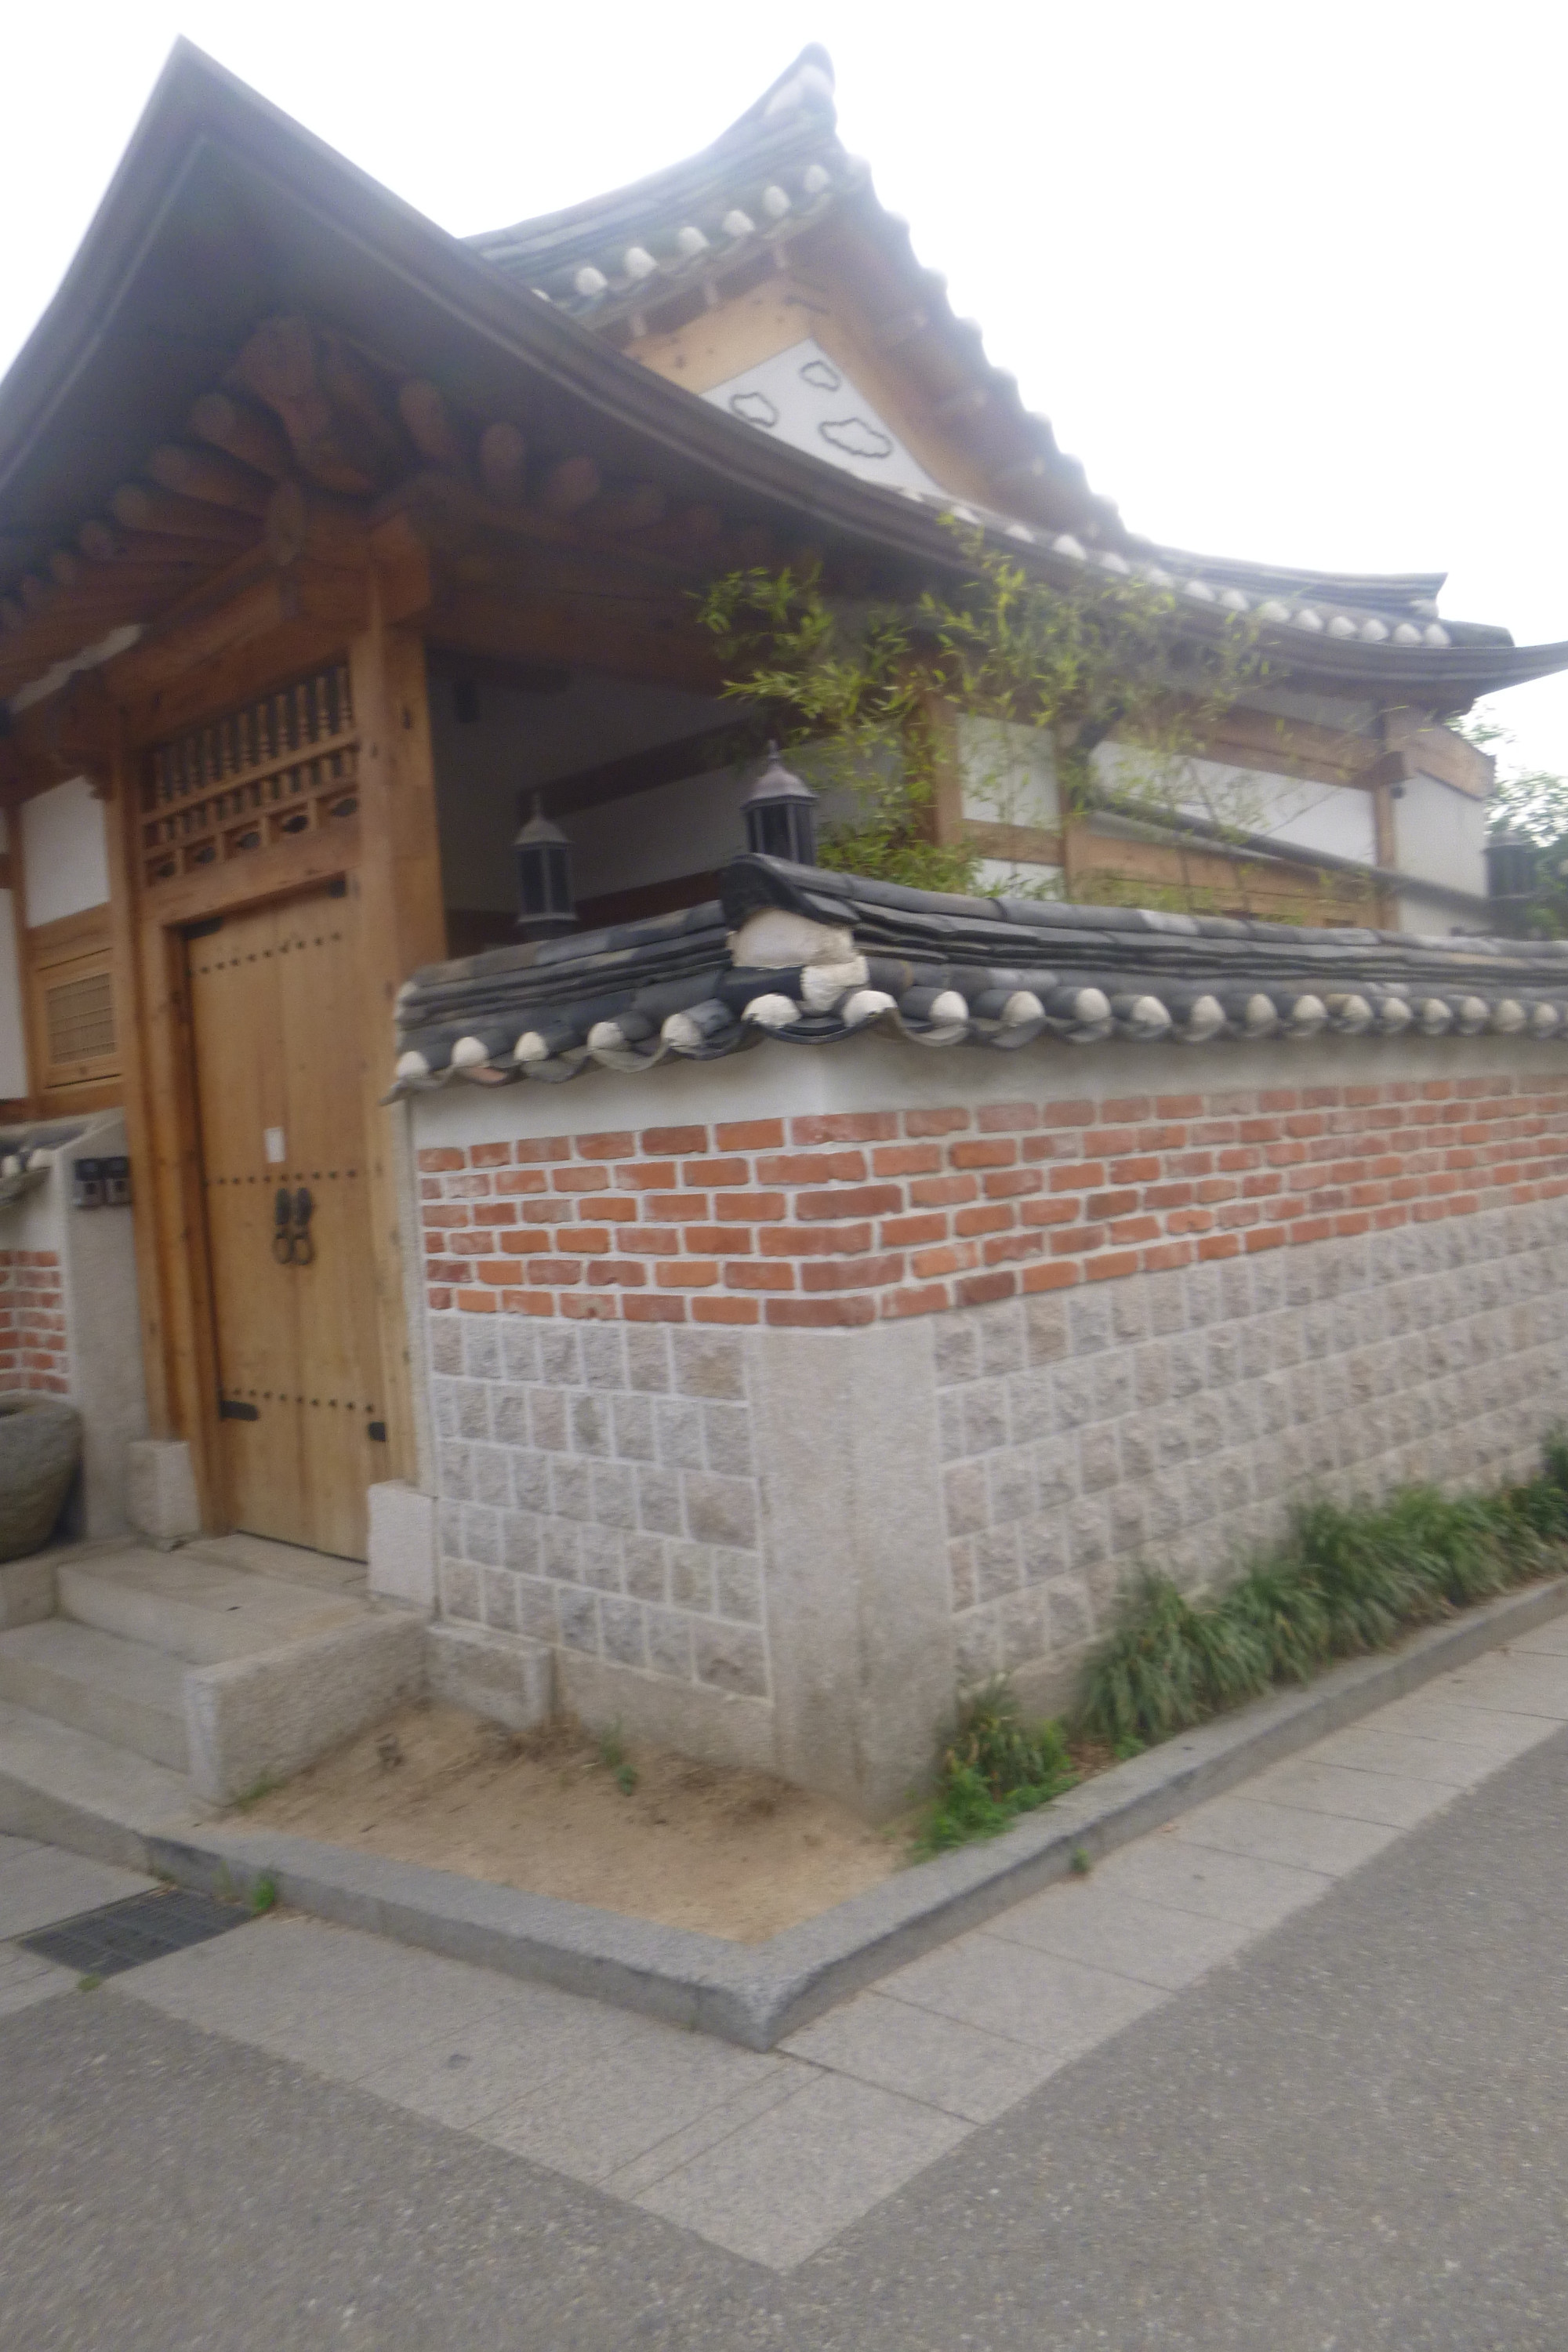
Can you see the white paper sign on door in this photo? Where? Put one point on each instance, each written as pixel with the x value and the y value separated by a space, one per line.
pixel 274 1145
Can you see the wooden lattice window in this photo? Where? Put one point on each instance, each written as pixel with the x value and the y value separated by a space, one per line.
pixel 286 764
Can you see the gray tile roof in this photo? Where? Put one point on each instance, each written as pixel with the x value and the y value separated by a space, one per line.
pixel 620 260
pixel 847 954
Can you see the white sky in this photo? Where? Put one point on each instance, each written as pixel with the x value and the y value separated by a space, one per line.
pixel 1290 280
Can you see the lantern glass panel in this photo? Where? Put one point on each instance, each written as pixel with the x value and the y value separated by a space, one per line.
pixel 544 880
pixel 783 828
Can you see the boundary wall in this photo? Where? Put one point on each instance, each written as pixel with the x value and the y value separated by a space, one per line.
pixel 785 1395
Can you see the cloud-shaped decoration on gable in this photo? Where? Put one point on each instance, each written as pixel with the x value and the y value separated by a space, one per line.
pixel 818 373
pixel 755 407
pixel 856 438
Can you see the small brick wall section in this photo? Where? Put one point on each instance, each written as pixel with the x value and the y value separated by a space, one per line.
pixel 843 1218
pixel 33 1322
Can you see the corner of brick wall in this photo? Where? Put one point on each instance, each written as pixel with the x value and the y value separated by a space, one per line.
pixel 33 1352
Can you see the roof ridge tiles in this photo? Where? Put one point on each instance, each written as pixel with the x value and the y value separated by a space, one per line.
pixel 945 978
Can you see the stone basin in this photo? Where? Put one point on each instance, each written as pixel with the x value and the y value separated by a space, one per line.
pixel 40 1447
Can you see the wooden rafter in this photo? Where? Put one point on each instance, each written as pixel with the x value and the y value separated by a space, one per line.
pixel 308 449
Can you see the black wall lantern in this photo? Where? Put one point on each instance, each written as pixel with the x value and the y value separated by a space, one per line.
pixel 543 878
pixel 781 813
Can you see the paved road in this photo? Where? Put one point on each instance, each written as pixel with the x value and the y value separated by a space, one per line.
pixel 1337 2125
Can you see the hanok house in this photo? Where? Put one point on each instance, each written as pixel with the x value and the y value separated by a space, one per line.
pixel 897 1272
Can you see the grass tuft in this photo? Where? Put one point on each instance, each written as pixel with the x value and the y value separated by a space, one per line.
pixel 997 1765
pixel 1346 1578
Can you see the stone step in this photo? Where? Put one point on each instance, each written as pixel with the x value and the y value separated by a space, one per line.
pixel 197 1610
pixel 289 1563
pixel 121 1692
pixel 503 1676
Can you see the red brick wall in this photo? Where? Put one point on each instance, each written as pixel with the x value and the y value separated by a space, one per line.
pixel 843 1218
pixel 33 1322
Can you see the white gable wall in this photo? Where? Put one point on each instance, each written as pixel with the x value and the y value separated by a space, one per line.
pixel 804 398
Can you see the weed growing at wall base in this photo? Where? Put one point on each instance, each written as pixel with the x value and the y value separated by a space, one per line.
pixel 996 1767
pixel 1347 1578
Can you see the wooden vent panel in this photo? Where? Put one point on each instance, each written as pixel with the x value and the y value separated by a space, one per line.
pixel 79 1020
pixel 286 764
pixel 75 1038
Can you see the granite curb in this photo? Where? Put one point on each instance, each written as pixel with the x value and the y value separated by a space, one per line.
pixel 755 1994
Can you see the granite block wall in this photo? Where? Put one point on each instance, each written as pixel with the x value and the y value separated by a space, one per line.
pixel 1168 1421
pixel 599 1492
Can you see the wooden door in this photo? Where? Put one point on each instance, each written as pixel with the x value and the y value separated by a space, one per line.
pixel 275 1019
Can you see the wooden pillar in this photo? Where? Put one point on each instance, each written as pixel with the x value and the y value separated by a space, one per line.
pixel 946 813
pixel 402 925
pixel 178 1314
pixel 122 815
pixel 1385 838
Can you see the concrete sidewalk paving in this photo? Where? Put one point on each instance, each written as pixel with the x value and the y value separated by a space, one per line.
pixel 773 2156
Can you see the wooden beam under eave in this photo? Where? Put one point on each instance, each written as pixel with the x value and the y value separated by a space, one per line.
pixel 173 650
pixel 1270 743
pixel 1014 844
pixel 296 622
pixel 404 577
pixel 552 629
pixel 529 546
pixel 73 724
pixel 661 763
pixel 1113 869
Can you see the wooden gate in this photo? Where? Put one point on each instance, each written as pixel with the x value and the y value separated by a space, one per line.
pixel 274 1015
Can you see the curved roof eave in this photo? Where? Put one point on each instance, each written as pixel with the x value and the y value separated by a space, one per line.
pixel 222 207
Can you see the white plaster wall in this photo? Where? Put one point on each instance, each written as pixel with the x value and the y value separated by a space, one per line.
pixel 1018 878
pixel 523 742
pixel 1338 818
pixel 65 859
pixel 684 828
pixel 885 1072
pixel 1424 916
pixel 690 827
pixel 1009 773
pixel 1440 835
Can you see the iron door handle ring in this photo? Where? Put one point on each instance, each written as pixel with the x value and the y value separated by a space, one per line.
pixel 303 1247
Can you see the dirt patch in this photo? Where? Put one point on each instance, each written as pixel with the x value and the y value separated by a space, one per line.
pixel 723 1851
